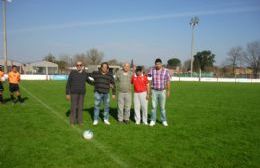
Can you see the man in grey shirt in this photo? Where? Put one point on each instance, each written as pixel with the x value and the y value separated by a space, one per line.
pixel 123 78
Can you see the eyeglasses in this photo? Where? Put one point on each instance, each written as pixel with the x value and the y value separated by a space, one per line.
pixel 79 65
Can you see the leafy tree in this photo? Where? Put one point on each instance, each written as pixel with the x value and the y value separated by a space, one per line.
pixel 174 62
pixel 203 59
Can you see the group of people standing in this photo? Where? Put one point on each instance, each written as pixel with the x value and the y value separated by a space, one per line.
pixel 13 80
pixel 103 80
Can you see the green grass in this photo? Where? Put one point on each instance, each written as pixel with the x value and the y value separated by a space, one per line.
pixel 210 125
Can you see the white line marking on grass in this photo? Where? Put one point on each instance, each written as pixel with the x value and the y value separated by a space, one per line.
pixel 95 142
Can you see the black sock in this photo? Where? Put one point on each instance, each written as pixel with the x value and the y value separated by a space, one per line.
pixel 20 99
pixel 12 98
pixel 1 99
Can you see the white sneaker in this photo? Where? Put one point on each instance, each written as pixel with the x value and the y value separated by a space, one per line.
pixel 137 123
pixel 145 123
pixel 106 122
pixel 152 123
pixel 95 122
pixel 165 123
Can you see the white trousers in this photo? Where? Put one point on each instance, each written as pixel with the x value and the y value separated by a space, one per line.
pixel 140 102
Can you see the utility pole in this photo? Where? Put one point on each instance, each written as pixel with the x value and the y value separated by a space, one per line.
pixel 194 21
pixel 4 34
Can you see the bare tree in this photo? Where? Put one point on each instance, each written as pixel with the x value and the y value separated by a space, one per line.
pixel 80 57
pixel 114 62
pixel 235 55
pixel 252 57
pixel 50 58
pixel 186 65
pixel 94 57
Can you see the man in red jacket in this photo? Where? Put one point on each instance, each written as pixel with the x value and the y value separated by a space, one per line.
pixel 141 95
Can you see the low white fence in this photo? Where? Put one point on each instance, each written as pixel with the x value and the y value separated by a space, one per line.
pixel 233 80
pixel 190 79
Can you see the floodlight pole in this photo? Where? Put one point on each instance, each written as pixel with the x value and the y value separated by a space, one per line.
pixel 194 21
pixel 5 38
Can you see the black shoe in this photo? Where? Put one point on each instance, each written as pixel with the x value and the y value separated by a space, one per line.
pixel 120 122
pixel 126 122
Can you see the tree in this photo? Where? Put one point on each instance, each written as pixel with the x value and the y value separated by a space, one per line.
pixel 114 62
pixel 63 65
pixel 80 57
pixel 186 65
pixel 174 62
pixel 203 59
pixel 252 57
pixel 94 57
pixel 50 58
pixel 234 57
pixel 67 59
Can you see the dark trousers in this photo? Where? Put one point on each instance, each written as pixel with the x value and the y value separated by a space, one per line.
pixel 77 102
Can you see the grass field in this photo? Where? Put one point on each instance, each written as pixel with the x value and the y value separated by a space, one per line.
pixel 210 125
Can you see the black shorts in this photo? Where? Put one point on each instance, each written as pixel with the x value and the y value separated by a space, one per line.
pixel 13 87
pixel 1 87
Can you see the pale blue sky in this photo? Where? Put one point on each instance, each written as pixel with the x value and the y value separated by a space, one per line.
pixel 128 29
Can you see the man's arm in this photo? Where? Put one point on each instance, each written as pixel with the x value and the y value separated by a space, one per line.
pixel 89 79
pixel 19 78
pixel 113 86
pixel 168 88
pixel 148 90
pixel 68 87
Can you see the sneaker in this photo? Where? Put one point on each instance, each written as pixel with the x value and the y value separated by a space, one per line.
pixel 126 121
pixel 152 123
pixel 145 123
pixel 120 122
pixel 95 122
pixel 137 123
pixel 106 122
pixel 165 123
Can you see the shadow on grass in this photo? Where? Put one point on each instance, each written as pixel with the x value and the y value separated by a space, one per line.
pixel 6 100
pixel 112 112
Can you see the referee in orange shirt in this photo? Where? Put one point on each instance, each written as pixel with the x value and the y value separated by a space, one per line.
pixel 14 79
pixel 1 85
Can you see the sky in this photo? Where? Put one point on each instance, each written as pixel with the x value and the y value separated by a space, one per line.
pixel 141 30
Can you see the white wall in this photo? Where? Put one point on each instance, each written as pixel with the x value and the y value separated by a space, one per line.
pixel 234 80
pixel 64 77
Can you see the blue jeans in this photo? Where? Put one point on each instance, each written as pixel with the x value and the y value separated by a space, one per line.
pixel 99 97
pixel 158 97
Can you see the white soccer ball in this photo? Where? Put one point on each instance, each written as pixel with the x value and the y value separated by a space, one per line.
pixel 88 134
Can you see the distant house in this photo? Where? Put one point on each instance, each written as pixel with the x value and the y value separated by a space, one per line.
pixel 41 67
pixel 239 71
pixel 10 63
pixel 91 68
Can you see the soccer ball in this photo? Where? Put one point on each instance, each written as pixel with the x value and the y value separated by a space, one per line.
pixel 88 134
